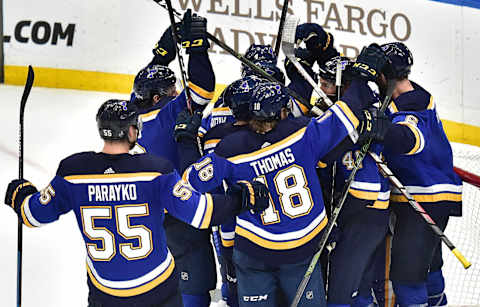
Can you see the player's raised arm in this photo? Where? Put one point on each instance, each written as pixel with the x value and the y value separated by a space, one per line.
pixel 200 70
pixel 204 210
pixel 352 116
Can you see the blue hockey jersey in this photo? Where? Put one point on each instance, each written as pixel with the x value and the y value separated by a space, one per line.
pixel 427 170
pixel 119 203
pixel 285 160
pixel 219 115
pixel 159 122
pixel 368 183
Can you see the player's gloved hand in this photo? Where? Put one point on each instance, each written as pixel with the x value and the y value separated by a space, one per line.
pixel 321 104
pixel 194 33
pixel 371 62
pixel 318 41
pixel 17 191
pixel 304 57
pixel 164 51
pixel 373 124
pixel 254 196
pixel 186 126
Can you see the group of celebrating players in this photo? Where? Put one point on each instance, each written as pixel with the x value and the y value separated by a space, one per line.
pixel 266 174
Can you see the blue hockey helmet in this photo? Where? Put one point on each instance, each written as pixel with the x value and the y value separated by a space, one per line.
pixel 328 71
pixel 268 67
pixel 257 53
pixel 114 118
pixel 268 100
pixel 401 58
pixel 150 81
pixel 238 94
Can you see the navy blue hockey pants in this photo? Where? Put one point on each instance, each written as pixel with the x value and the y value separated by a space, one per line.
pixel 361 231
pixel 266 285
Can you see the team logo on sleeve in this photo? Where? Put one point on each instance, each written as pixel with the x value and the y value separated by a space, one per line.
pixel 411 119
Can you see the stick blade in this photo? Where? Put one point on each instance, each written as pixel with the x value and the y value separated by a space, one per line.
pixel 288 38
pixel 27 89
pixel 290 28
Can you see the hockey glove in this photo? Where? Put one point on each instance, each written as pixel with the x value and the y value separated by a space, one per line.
pixel 254 195
pixel 17 191
pixel 305 58
pixel 374 124
pixel 318 41
pixel 371 62
pixel 186 125
pixel 164 51
pixel 194 33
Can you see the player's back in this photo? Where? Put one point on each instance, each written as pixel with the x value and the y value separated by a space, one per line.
pixel 120 215
pixel 432 153
pixel 158 123
pixel 217 133
pixel 286 231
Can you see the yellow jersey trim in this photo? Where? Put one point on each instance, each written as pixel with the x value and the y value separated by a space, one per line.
pixel 346 110
pixel 24 217
pixel 364 194
pixel 430 198
pixel 380 204
pixel 280 245
pixel 212 141
pixel 303 108
pixel 278 144
pixel 137 290
pixel 393 107
pixel 228 243
pixel 102 176
pixel 221 109
pixel 149 114
pixel 320 164
pixel 431 104
pixel 207 218
pixel 200 91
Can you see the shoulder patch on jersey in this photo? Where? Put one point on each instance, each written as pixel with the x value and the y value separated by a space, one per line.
pixel 411 119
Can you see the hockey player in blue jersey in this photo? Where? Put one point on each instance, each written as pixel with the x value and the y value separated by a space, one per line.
pixel 364 218
pixel 272 251
pixel 262 56
pixel 152 87
pixel 119 201
pixel 319 49
pixel 155 84
pixel 237 98
pixel 419 154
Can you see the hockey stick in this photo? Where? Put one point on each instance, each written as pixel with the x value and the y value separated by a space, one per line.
pixel 23 102
pixel 175 37
pixel 467 176
pixel 288 47
pixel 336 211
pixel 418 208
pixel 252 66
pixel 280 28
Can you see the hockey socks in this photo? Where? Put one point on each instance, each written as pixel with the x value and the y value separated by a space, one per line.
pixel 435 289
pixel 410 295
pixel 196 300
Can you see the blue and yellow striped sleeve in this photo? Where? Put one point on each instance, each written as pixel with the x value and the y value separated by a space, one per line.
pixel 47 205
